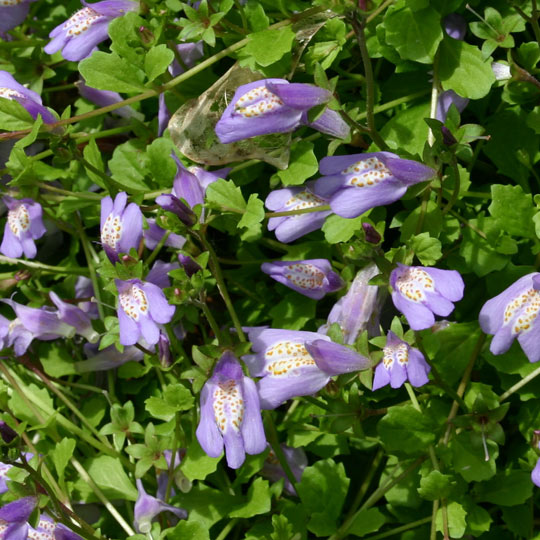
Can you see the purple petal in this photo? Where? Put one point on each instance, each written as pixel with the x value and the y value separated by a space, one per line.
pixel 160 310
pixel 252 427
pixel 81 47
pixel 398 375
pixel 331 165
pixel 438 304
pixel 331 123
pixel 529 341
pixel 129 329
pixel 188 187
pixel 417 368
pixel 445 100
pixel 299 95
pixel 535 474
pixel 449 283
pixel 455 26
pixel 149 330
pixel 408 171
pixel 11 245
pixel 18 510
pixel 207 432
pixel 418 316
pixel 12 16
pixel 335 359
pixel 294 227
pixel 158 274
pixel 381 378
pixel 106 209
pixel 131 229
pixel 234 448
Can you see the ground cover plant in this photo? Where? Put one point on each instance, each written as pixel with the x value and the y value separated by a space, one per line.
pixel 269 269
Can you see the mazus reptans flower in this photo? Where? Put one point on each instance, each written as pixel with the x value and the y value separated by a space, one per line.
pixel 13 13
pixel 312 278
pixel 276 106
pixel 514 314
pixel 420 293
pixel 230 414
pixel 24 225
pixel 354 184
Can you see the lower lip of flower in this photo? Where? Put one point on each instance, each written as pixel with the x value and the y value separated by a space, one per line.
pixel 305 276
pixel 399 353
pixel 526 306
pixel 304 199
pixel 367 172
pixel 134 302
pixel 414 283
pixel 19 220
pixel 81 21
pixel 228 406
pixel 111 231
pixel 285 357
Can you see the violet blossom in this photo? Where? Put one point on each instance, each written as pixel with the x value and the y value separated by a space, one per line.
pixel 13 13
pixel 79 36
pixel 276 106
pixel 76 317
pixel 455 26
pixel 188 264
pixel 121 226
pixel 514 314
pixel 148 507
pixel 108 358
pixel 312 278
pixel 421 292
pixel 357 183
pixel 30 100
pixel 400 362
pixel 14 518
pixel 85 289
pixel 297 460
pixel 24 225
pixel 230 414
pixel 445 100
pixel 359 309
pixel 154 234
pixel 289 228
pixel 141 307
pixel 294 363
pixel 180 479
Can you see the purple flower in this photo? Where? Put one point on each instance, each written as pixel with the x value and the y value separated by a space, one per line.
pixel 103 98
pixel 79 36
pixel 400 362
pixel 141 306
pixel 297 460
pixel 121 227
pixel 355 184
pixel 230 414
pixel 535 474
pixel 455 26
pixel 30 100
pixel 24 225
pixel 158 274
pixel 164 350
pixel 181 481
pixel 276 106
pixel 148 507
pixel 514 314
pixel 154 234
pixel 13 13
pixel 420 293
pixel 359 309
pixel 6 467
pixel 445 100
pixel 14 518
pixel 85 289
pixel 188 264
pixel 312 278
pixel 108 358
pixel 289 228
pixel 293 363
pixel 75 317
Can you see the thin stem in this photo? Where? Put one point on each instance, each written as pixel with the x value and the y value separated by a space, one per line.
pixel 43 266
pixel 211 320
pixel 513 389
pixel 401 529
pixel 222 287
pixel 455 191
pixel 157 249
pixel 227 529
pixel 467 224
pixel 380 9
pixel 78 194
pixel 174 448
pixel 434 97
pixel 358 28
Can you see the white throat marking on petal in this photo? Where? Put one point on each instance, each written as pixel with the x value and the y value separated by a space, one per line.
pixel 134 302
pixel 19 220
pixel 257 102
pixel 228 406
pixel 522 311
pixel 81 21
pixel 366 173
pixel 111 231
pixel 285 358
pixel 398 352
pixel 305 275
pixel 414 283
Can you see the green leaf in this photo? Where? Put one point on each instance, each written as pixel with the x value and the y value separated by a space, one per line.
pixel 61 454
pixel 32 136
pixel 406 430
pixel 252 219
pixel 302 164
pixel 462 69
pixel 507 488
pixel 435 486
pixel 457 522
pixel 196 465
pixel 322 490
pixel 110 72
pixel 109 475
pixel 519 519
pixel 176 397
pixel 469 459
pixel 256 16
pixel 190 530
pixel 337 229
pixel 226 195
pixel 56 360
pixel 414 34
pixel 129 166
pixel 13 116
pixel 427 249
pixel 367 521
pixel 293 312
pixel 257 501
pixel 513 209
pixel 161 165
pixel 433 221
pixel 92 154
pixel 157 60
pixel 269 46
pixel 126 40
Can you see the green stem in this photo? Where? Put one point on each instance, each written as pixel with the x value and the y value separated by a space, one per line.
pixel 211 320
pixel 157 249
pixel 43 266
pixel 459 217
pixel 227 529
pixel 317 403
pixel 455 191
pixel 513 389
pixel 22 43
pixel 222 287
pixel 358 28
pixel 434 96
pixel 398 530
pixel 77 194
